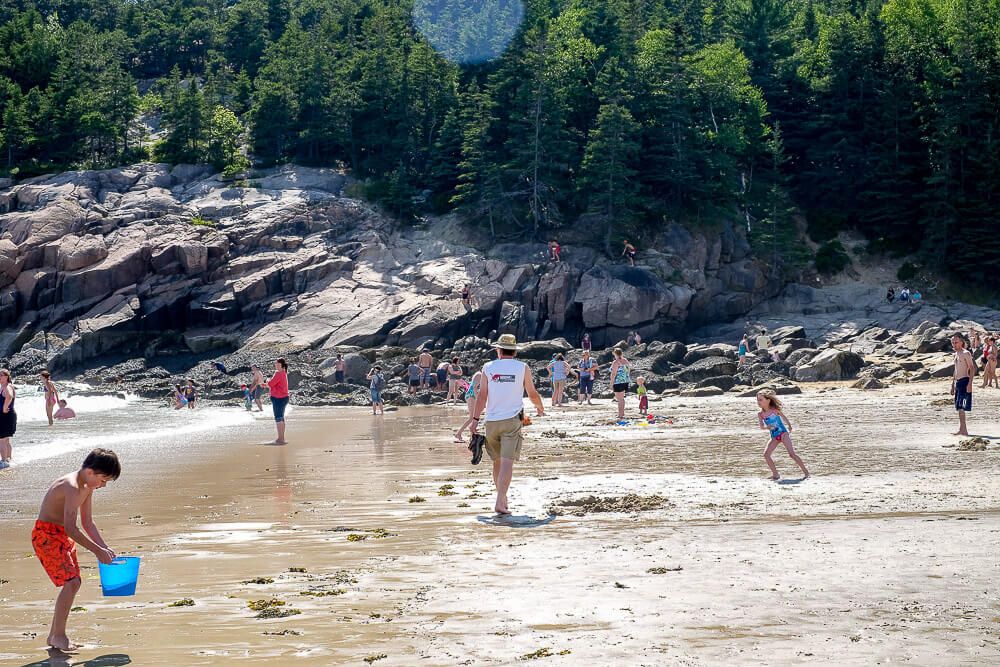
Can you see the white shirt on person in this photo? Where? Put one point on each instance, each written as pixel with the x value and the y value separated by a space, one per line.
pixel 763 342
pixel 505 386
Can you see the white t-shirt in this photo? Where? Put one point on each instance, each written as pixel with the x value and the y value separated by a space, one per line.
pixel 763 342
pixel 505 382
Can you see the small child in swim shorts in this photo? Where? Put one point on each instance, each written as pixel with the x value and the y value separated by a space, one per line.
pixel 772 419
pixel 56 534
pixel 247 398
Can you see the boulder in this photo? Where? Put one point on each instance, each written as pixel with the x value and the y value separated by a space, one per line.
pixel 621 296
pixel 943 370
pixel 829 365
pixel 869 383
pixel 693 354
pixel 780 390
pixel 787 334
pixel 542 350
pixel 723 382
pixel 798 356
pixel 356 367
pixel 707 368
pixel 77 252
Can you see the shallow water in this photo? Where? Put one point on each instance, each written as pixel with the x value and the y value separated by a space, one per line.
pixel 110 421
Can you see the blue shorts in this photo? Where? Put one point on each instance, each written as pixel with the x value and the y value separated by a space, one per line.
pixel 338 376
pixel 376 396
pixel 279 405
pixel 963 397
pixel 587 385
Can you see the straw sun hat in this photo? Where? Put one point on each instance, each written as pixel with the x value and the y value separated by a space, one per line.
pixel 506 342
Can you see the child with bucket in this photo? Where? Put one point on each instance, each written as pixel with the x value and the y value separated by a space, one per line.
pixel 56 533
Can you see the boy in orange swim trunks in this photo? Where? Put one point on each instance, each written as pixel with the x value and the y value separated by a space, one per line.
pixel 56 533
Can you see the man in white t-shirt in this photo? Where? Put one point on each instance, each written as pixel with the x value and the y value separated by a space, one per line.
pixel 763 341
pixel 502 394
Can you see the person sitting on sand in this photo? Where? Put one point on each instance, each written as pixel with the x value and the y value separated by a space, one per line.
pixel 56 534
pixel 772 419
pixel 961 384
pixel 64 411
pixel 502 396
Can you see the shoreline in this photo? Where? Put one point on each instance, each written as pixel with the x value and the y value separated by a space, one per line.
pixel 849 553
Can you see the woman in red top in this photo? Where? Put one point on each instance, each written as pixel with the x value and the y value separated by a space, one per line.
pixel 278 385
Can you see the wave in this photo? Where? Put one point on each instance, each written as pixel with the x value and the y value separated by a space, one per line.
pixel 142 421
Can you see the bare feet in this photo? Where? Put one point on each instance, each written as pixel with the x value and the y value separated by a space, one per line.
pixel 281 442
pixel 62 643
pixel 503 512
pixel 775 478
pixel 459 440
pixel 961 433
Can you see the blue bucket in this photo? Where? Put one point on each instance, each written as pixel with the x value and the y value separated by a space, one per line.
pixel 120 577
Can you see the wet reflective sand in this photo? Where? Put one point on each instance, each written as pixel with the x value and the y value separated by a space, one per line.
pixel 888 554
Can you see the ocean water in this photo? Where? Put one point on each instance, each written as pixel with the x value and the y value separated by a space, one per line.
pixel 110 420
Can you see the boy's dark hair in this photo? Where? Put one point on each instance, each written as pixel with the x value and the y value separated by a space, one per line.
pixel 103 462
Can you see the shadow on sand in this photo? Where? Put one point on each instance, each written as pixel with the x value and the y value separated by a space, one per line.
pixel 792 481
pixel 515 521
pixel 59 659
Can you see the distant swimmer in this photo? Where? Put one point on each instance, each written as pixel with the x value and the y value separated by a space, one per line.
pixel 180 397
pixel 64 411
pixel 56 534
pixel 191 394
pixel 8 418
pixel 772 419
pixel 51 394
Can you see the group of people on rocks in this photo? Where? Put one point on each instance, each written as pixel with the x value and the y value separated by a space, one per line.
pixel 905 295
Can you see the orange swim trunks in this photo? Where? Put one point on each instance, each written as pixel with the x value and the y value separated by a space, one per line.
pixel 56 550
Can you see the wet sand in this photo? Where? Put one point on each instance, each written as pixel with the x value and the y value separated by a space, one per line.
pixel 889 554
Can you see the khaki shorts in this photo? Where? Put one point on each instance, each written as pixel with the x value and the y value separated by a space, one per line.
pixel 503 439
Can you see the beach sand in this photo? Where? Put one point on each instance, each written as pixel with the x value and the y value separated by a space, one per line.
pixel 889 554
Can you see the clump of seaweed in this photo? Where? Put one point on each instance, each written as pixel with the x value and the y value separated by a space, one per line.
pixel 261 605
pixel 664 570
pixel 447 490
pixel 300 570
pixel 183 602
pixel 259 580
pixel 281 633
pixel 324 594
pixel 417 499
pixel 375 657
pixel 356 537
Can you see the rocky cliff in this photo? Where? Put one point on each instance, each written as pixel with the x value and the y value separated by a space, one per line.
pixel 150 259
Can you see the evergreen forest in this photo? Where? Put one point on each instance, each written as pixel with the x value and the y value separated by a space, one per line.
pixel 790 116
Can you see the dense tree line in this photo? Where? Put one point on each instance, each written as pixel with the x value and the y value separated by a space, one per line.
pixel 876 115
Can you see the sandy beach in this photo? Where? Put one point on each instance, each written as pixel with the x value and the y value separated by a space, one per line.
pixel 372 539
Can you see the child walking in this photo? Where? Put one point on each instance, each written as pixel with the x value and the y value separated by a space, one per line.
pixel 772 419
pixel 640 389
pixel 56 533
pixel 247 397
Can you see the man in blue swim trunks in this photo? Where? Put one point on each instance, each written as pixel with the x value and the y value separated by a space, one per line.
pixel 961 384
